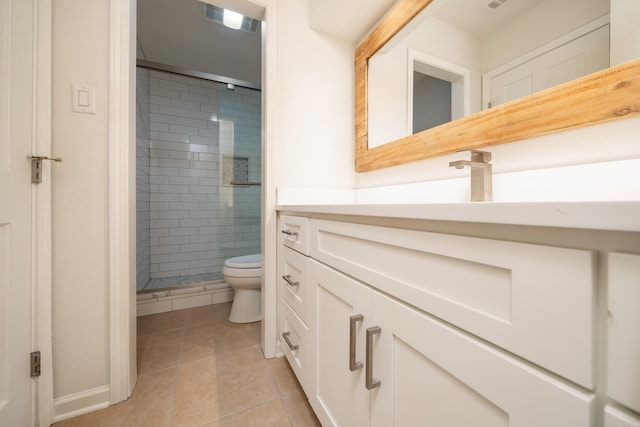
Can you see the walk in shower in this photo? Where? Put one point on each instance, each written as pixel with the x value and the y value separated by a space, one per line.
pixel 198 160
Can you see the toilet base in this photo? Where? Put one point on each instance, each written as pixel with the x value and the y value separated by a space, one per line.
pixel 247 306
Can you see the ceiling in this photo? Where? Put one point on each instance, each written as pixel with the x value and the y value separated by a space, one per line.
pixel 176 33
pixel 349 20
pixel 477 18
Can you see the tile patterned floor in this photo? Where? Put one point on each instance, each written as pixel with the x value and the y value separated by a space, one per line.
pixel 195 368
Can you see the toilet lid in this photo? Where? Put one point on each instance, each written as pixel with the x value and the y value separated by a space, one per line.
pixel 246 261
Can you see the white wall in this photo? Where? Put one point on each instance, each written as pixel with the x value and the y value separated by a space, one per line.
pixel 80 199
pixel 313 123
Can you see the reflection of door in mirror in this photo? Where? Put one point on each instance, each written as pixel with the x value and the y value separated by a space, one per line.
pixel 576 54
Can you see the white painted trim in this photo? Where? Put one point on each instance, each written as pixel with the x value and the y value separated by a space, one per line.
pixel 41 215
pixel 122 308
pixel 269 218
pixel 458 76
pixel 122 130
pixel 81 403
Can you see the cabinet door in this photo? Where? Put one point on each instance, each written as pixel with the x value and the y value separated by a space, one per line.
pixel 623 326
pixel 432 374
pixel 337 394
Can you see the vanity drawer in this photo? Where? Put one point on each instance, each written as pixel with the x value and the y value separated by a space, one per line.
pixel 293 280
pixel 293 335
pixel 293 232
pixel 533 300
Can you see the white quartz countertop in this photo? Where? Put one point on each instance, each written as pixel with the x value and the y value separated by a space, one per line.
pixel 609 215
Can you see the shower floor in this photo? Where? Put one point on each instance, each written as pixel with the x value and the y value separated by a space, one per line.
pixel 170 282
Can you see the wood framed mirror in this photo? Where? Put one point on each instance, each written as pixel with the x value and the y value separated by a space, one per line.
pixel 608 95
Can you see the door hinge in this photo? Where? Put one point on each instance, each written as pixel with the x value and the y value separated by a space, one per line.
pixel 35 364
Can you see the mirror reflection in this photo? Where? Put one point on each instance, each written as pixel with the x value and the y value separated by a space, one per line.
pixel 458 57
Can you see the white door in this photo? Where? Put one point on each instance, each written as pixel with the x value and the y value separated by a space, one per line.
pixel 579 57
pixel 16 117
pixel 432 374
pixel 337 390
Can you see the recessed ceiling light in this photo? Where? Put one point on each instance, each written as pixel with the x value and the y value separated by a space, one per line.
pixel 230 19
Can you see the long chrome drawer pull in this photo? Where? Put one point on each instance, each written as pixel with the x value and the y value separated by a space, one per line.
pixel 353 364
pixel 290 282
pixel 290 233
pixel 370 382
pixel 292 347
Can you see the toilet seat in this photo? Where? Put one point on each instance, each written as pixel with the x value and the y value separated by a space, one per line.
pixel 243 266
pixel 245 261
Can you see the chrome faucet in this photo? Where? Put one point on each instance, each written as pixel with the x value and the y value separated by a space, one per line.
pixel 481 172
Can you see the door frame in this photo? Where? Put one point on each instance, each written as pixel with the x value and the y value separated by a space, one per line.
pixel 41 266
pixel 122 122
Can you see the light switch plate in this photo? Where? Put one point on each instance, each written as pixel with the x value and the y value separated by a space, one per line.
pixel 83 99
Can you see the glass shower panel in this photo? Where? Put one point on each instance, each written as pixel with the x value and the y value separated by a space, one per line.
pixel 205 146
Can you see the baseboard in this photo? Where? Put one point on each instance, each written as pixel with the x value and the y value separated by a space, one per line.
pixel 162 301
pixel 81 403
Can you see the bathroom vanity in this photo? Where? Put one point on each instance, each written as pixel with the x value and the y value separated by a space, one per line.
pixel 491 314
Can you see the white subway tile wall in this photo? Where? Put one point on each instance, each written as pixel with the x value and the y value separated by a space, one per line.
pixel 195 220
pixel 142 177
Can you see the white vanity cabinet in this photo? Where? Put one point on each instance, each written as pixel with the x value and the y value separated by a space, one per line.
pixel 402 325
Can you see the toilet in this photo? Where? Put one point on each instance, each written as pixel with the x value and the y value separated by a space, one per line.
pixel 244 275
